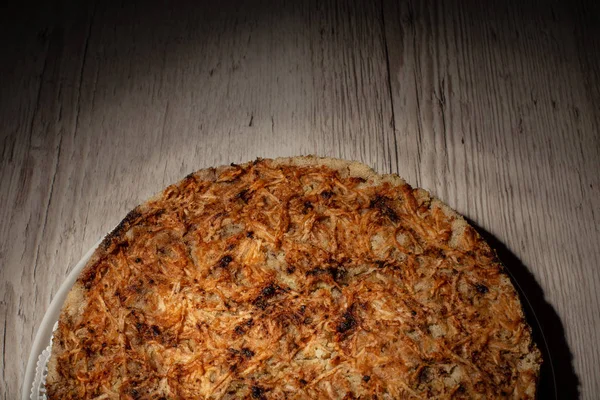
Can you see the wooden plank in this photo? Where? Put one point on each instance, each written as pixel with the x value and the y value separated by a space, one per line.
pixel 487 96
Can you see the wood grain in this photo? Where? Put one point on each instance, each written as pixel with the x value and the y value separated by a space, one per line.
pixel 492 107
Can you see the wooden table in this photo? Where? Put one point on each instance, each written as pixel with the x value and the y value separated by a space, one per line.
pixel 494 108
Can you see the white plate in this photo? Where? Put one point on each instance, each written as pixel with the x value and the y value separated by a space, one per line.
pixel 44 333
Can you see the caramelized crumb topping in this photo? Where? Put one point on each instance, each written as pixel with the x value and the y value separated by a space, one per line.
pixel 279 281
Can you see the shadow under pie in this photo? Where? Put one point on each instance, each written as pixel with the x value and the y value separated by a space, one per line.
pixel 558 379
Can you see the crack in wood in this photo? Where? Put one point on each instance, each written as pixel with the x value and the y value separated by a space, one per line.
pixel 4 352
pixel 47 208
pixel 417 82
pixel 390 91
pixel 38 96
pixel 82 69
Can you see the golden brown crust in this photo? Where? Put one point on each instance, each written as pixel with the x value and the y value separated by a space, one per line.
pixel 293 278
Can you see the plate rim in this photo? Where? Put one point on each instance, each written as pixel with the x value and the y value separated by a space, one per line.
pixel 44 331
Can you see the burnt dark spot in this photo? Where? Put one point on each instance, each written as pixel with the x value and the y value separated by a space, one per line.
pixel 482 289
pixel 139 326
pixel 265 294
pixel 151 281
pixel 250 234
pixel 138 260
pixel 307 321
pixel 239 330
pixel 233 351
pixel 347 323
pixel 155 330
pixel 413 312
pixel 381 203
pixel 337 273
pixel 303 381
pixel 290 269
pixel 233 367
pixel 461 389
pixel 246 352
pixel 137 287
pixel 258 392
pixel 231 247
pixel 327 194
pixel 307 206
pixel 425 375
pixel 225 261
pixel 269 291
pixel 88 278
pixel 134 393
pixel 261 303
pixel 366 378
pixel 244 195
pixel 302 309
pixel 315 271
pixel 104 345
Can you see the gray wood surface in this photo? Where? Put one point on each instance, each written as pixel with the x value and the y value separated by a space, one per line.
pixel 492 106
